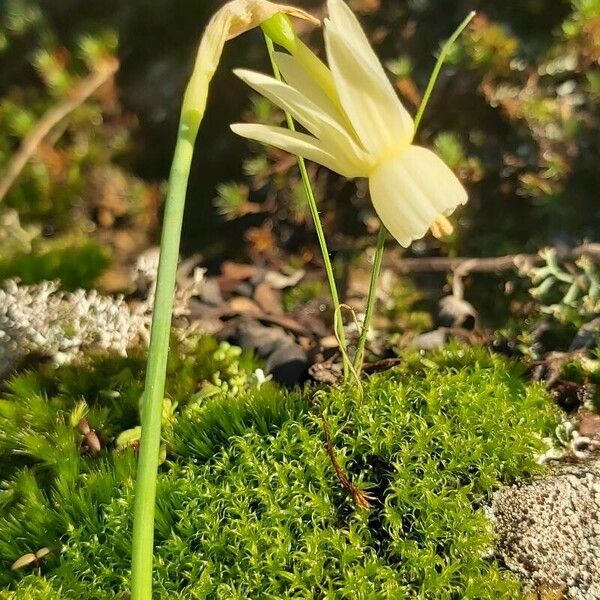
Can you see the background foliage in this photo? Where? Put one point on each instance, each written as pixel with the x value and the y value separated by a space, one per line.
pixel 516 115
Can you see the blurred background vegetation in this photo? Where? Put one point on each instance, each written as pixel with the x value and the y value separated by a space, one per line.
pixel 516 114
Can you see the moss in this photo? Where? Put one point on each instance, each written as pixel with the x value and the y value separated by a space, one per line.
pixel 33 587
pixel 77 264
pixel 39 411
pixel 249 506
pixel 298 295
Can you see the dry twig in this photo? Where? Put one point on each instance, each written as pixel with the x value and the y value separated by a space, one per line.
pixel 360 498
pixel 52 118
pixel 488 264
pixel 461 267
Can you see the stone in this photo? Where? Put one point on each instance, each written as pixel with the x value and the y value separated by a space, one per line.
pixel 548 530
pixel 457 313
pixel 263 340
pixel 430 340
pixel 288 364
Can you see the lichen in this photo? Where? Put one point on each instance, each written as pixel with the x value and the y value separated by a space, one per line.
pixel 549 531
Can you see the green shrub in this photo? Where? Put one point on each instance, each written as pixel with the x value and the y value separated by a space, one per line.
pixel 248 505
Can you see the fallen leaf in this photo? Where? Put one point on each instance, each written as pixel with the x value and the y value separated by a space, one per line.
pixel 280 281
pixel 243 306
pixel 238 271
pixel 268 299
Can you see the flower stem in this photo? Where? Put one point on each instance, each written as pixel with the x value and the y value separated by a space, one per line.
pixel 314 211
pixel 438 66
pixel 377 261
pixel 145 485
pixel 364 332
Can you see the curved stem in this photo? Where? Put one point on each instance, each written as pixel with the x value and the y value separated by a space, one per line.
pixel 314 211
pixel 438 67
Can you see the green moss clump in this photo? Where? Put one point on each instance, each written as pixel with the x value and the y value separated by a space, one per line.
pixel 248 504
pixel 76 263
pixel 298 295
pixel 33 587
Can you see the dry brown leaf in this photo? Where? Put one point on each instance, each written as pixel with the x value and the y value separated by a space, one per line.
pixel 268 298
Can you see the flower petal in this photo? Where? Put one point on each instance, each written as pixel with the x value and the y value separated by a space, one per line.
pixel 344 20
pixel 366 94
pixel 411 190
pixel 299 144
pixel 297 77
pixel 332 134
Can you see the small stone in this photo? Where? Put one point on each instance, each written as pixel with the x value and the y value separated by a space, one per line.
pixel 430 340
pixel 263 340
pixel 457 313
pixel 288 364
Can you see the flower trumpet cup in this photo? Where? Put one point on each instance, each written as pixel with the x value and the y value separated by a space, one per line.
pixel 357 127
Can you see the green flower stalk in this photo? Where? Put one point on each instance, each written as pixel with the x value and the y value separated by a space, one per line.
pixel 231 20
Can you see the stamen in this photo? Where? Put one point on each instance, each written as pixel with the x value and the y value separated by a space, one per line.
pixel 441 227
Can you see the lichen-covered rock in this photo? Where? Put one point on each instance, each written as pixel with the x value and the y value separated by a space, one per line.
pixel 40 319
pixel 43 320
pixel 549 531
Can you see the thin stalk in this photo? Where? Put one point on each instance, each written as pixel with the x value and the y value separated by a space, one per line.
pixel 438 66
pixel 364 332
pixel 314 211
pixel 377 261
pixel 145 485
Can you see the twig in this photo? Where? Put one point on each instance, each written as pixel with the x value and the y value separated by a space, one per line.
pixel 361 499
pixel 54 116
pixel 494 264
pixel 461 267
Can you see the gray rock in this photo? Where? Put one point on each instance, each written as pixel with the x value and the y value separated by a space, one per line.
pixel 284 358
pixel 263 340
pixel 457 313
pixel 588 336
pixel 548 531
pixel 288 364
pixel 430 340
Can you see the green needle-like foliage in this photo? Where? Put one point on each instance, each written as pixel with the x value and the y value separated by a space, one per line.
pixel 248 504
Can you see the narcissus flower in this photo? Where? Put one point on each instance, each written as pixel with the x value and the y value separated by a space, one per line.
pixel 357 127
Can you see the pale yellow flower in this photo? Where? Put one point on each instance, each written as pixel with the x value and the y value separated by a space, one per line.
pixel 358 127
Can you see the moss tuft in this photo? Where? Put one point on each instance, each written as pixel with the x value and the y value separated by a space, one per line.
pixel 77 264
pixel 249 505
